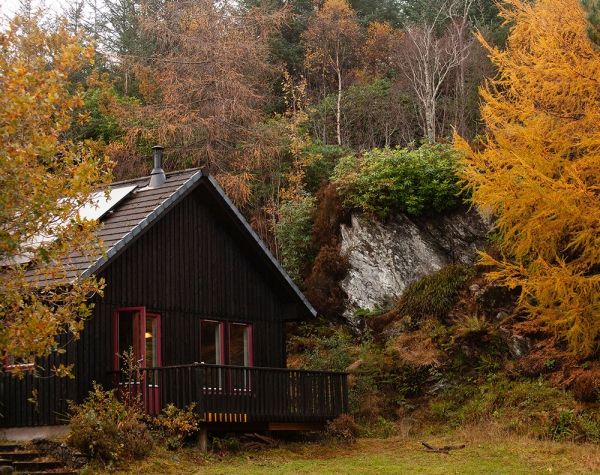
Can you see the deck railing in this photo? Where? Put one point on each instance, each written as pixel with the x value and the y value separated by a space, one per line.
pixel 239 394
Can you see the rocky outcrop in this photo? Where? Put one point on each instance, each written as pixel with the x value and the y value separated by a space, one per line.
pixel 384 258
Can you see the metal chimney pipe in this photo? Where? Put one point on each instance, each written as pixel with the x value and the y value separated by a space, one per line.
pixel 157 177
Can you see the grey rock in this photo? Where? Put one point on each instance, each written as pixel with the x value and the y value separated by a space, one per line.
pixel 518 346
pixel 501 315
pixel 6 469
pixel 384 258
pixel 476 290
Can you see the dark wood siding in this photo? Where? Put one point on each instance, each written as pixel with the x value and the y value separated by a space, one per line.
pixel 190 265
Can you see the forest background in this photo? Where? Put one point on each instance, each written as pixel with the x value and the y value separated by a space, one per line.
pixel 305 110
pixel 269 95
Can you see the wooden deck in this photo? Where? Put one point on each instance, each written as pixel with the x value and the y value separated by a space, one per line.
pixel 242 396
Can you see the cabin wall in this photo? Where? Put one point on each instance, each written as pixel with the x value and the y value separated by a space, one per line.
pixel 186 267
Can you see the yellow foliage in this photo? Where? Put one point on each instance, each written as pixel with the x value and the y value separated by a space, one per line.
pixel 331 36
pixel 539 171
pixel 43 179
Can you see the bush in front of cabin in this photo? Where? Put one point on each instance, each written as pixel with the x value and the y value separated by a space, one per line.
pixel 343 429
pixel 107 429
pixel 173 425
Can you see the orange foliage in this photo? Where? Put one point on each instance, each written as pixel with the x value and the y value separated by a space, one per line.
pixel 380 49
pixel 43 180
pixel 540 171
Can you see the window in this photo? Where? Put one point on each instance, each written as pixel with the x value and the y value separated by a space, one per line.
pixel 239 345
pixel 211 342
pixel 231 348
pixel 16 364
pixel 240 355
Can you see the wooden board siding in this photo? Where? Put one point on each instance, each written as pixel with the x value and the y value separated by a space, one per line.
pixel 187 266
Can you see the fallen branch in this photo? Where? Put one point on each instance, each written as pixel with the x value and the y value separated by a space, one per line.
pixel 442 450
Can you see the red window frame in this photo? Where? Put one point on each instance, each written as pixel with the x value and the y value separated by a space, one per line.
pixel 226 358
pixel 141 336
pixel 247 381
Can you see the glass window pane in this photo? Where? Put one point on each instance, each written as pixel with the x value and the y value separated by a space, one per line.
pixel 210 342
pixel 238 345
pixel 127 331
pixel 151 335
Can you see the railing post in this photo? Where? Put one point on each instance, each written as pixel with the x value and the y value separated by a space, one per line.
pixel 200 392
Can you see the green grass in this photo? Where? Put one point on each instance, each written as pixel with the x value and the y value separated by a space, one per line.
pixel 485 453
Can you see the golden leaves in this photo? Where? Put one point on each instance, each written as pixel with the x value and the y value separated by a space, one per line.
pixel 43 179
pixel 539 172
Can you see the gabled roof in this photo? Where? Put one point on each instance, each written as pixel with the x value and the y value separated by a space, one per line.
pixel 144 206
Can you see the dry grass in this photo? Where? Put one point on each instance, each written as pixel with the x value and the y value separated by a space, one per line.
pixel 488 450
pixel 417 349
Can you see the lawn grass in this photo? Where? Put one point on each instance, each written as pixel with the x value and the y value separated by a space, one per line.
pixel 486 452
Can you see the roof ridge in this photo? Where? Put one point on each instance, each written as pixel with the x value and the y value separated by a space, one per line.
pixel 169 174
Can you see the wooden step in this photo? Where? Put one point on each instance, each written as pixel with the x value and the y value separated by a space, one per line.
pixel 19 456
pixel 10 447
pixel 33 466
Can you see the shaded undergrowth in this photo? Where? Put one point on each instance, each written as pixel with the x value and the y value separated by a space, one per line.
pixel 444 356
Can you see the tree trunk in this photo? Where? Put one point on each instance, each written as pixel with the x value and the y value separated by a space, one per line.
pixel 338 114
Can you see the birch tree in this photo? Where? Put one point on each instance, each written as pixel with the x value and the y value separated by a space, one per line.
pixel 427 57
pixel 331 41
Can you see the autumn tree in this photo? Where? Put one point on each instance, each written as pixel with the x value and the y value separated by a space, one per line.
pixel 331 42
pixel 43 180
pixel 204 86
pixel 538 173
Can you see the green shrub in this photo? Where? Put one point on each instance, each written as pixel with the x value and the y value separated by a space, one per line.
pixel 173 426
pixel 321 166
pixel 330 353
pixel 227 444
pixel 416 182
pixel 433 295
pixel 105 428
pixel 293 233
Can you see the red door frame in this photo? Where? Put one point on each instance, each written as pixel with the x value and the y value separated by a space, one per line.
pixel 150 395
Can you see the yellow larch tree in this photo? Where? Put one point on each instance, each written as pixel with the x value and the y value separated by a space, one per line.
pixel 539 172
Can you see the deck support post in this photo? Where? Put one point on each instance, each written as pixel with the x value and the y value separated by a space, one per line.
pixel 203 439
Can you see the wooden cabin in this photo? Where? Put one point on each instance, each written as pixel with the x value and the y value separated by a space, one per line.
pixel 203 303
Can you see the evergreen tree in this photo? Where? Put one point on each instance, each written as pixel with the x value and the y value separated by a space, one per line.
pixel 592 8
